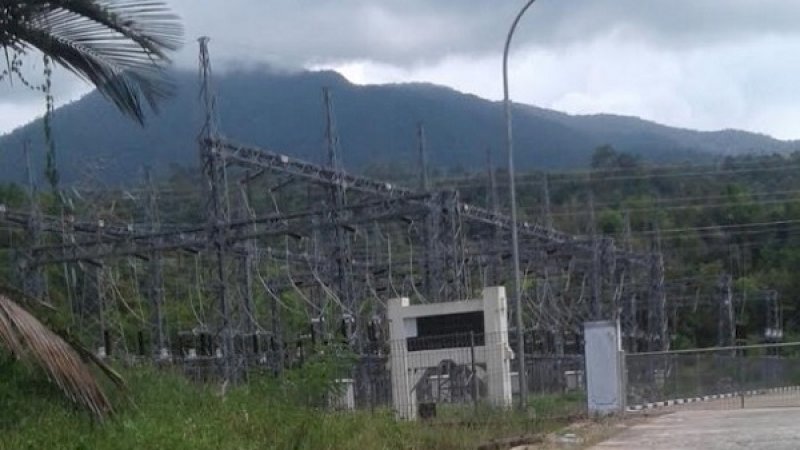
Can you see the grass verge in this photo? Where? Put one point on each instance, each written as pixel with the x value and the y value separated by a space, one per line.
pixel 165 411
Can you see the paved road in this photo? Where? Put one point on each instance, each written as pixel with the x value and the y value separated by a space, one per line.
pixel 770 429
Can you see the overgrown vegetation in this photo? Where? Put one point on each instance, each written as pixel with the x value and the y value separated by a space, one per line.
pixel 163 410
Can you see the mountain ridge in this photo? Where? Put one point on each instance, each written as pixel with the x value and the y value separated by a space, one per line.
pixel 376 125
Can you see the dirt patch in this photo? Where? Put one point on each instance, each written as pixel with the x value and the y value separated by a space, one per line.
pixel 526 441
pixel 578 435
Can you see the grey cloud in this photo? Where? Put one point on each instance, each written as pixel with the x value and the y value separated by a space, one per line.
pixel 413 36
pixel 403 32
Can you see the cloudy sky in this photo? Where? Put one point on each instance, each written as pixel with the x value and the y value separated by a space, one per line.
pixel 703 64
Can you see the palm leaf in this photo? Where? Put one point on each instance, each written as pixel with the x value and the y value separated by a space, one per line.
pixel 30 340
pixel 119 46
pixel 88 355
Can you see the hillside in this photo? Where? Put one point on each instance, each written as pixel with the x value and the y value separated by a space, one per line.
pixel 376 125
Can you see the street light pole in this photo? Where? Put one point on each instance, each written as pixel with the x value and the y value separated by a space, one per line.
pixel 517 299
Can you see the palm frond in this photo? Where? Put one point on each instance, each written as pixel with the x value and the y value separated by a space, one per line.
pixel 119 46
pixel 88 355
pixel 30 340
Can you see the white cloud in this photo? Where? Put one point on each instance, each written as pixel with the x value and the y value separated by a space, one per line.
pixel 748 85
pixel 14 115
pixel 19 104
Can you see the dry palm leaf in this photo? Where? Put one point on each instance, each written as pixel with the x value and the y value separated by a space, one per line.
pixel 30 340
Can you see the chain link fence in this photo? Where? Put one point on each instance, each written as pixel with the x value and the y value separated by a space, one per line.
pixel 449 372
pixel 731 377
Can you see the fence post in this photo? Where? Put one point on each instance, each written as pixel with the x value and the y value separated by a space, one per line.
pixel 474 374
pixel 740 359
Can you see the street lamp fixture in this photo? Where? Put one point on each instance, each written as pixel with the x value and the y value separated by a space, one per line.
pixel 517 295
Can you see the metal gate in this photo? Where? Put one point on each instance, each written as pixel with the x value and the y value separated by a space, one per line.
pixel 754 376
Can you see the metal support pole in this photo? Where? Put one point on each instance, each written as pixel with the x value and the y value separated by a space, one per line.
pixel 32 277
pixel 523 391
pixel 496 262
pixel 434 249
pixel 548 215
pixel 277 334
pixel 658 339
pixel 423 158
pixel 341 241
pixel 726 325
pixel 629 314
pixel 773 330
pixel 247 262
pixel 473 369
pixel 155 279
pixel 461 285
pixel 432 231
pixel 95 308
pixel 596 280
pixel 216 212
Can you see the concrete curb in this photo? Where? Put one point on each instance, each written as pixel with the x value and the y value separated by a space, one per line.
pixel 707 398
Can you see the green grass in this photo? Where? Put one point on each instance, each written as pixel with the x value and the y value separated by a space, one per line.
pixel 165 411
pixel 567 405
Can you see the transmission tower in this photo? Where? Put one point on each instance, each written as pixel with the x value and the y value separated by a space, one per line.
pixel 341 251
pixel 216 212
